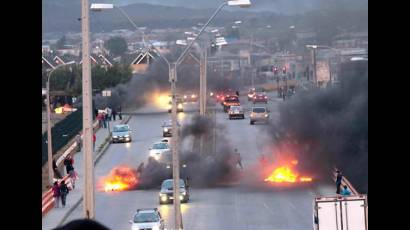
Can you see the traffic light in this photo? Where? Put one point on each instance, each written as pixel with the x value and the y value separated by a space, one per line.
pixel 284 70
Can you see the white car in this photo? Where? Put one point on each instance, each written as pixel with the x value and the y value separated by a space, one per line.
pixel 158 149
pixel 235 112
pixel 147 219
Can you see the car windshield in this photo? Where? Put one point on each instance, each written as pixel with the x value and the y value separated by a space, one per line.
pixel 160 146
pixel 258 110
pixel 146 217
pixel 120 128
pixel 168 184
pixel 259 90
pixel 236 108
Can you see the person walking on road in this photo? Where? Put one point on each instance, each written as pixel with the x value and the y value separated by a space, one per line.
pixel 238 158
pixel 345 191
pixel 100 120
pixel 339 178
pixel 94 139
pixel 63 192
pixel 56 194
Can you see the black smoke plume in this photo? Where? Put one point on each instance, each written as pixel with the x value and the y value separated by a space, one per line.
pixel 330 126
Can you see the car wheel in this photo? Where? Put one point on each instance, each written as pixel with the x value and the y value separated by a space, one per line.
pixel 252 122
pixel 243 116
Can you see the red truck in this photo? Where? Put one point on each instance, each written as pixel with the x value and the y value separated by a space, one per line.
pixel 229 101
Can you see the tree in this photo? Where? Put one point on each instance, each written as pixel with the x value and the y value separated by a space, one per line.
pixel 116 45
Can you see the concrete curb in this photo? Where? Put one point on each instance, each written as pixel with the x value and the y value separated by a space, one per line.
pixel 103 148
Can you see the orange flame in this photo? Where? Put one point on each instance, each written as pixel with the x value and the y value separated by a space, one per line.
pixel 120 178
pixel 285 174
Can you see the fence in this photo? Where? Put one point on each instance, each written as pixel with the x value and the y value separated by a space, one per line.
pixel 62 133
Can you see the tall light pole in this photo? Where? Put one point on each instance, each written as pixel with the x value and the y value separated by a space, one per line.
pixel 89 206
pixel 49 139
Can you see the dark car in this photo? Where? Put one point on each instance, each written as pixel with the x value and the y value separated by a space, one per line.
pixel 166 194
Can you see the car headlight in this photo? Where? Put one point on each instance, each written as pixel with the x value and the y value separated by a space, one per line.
pixel 193 96
pixel 165 130
pixel 252 115
pixel 114 136
pixel 266 115
pixel 180 106
pixel 181 197
pixel 163 197
pixel 185 96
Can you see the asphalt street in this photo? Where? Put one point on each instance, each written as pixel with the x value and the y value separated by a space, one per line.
pixel 230 207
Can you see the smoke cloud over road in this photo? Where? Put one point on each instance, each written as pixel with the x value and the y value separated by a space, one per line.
pixel 330 127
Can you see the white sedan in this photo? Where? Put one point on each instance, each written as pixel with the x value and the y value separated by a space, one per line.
pixel 158 149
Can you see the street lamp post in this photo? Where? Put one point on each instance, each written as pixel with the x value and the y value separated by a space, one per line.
pixel 49 139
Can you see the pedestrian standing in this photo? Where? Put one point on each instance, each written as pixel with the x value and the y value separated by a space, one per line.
pixel 78 142
pixel 100 120
pixel 69 162
pixel 109 113
pixel 339 178
pixel 56 194
pixel 105 118
pixel 63 192
pixel 114 113
pixel 119 113
pixel 94 139
pixel 55 169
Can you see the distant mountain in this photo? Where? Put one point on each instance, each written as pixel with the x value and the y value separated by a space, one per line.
pixel 278 6
pixel 63 15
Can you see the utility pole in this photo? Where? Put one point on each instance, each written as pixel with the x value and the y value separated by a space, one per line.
pixel 49 145
pixel 87 115
pixel 175 156
pixel 202 83
pixel 314 67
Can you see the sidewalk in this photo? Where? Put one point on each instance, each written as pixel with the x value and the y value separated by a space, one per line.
pixel 53 218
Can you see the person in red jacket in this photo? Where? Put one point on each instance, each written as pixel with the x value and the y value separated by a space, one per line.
pixel 56 194
pixel 94 139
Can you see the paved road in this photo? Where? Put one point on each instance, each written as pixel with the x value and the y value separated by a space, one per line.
pixel 237 207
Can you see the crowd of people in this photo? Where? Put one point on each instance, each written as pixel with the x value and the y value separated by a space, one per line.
pixel 107 115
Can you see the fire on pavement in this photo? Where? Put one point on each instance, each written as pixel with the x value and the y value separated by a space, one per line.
pixel 120 178
pixel 286 173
